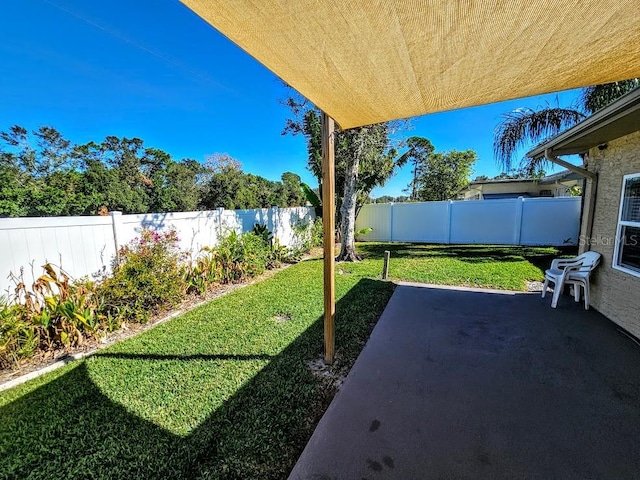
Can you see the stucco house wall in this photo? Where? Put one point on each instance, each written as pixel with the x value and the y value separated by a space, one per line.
pixel 614 293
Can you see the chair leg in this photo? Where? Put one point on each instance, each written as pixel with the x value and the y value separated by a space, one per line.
pixel 557 289
pixel 587 297
pixel 544 287
pixel 576 292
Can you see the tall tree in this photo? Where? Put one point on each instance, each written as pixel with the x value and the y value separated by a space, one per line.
pixel 223 183
pixel 38 174
pixel 442 175
pixel 101 185
pixel 126 156
pixel 365 157
pixel 419 150
pixel 171 186
pixel 292 191
pixel 524 126
pixel 226 185
pixel 182 182
pixel 369 160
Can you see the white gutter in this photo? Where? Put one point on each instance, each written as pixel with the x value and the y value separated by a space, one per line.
pixel 589 198
pixel 558 161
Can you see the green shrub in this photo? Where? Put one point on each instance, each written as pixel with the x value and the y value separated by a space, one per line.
pixel 235 259
pixel 278 254
pixel 18 339
pixel 317 232
pixel 203 273
pixel 307 235
pixel 362 232
pixel 147 277
pixel 241 256
pixel 255 255
pixel 229 256
pixel 261 230
pixel 61 311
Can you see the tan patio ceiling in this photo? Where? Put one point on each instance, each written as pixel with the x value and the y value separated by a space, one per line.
pixel 366 61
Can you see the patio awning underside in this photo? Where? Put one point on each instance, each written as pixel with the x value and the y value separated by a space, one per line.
pixel 367 61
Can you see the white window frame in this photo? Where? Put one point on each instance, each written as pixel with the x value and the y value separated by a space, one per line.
pixel 621 223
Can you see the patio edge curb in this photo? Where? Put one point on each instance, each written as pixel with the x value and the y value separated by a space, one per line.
pixel 463 289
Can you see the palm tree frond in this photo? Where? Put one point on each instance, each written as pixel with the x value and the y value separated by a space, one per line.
pixel 522 127
pixel 596 97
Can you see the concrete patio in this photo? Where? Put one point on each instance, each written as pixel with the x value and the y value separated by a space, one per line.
pixel 462 383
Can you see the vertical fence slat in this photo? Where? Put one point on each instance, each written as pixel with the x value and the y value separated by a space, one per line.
pixel 391 222
pixel 517 231
pixel 448 220
pixel 116 223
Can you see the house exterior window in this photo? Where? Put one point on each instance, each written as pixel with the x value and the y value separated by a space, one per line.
pixel 627 252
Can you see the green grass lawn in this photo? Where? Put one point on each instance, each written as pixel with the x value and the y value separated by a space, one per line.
pixel 490 266
pixel 224 391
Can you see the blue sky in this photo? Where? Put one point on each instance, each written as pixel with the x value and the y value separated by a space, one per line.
pixel 153 69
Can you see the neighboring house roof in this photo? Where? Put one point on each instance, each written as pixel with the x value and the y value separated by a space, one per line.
pixel 519 187
pixel 500 196
pixel 501 180
pixel 556 177
pixel 616 120
pixel 562 176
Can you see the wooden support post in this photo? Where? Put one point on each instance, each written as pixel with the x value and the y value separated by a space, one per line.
pixel 328 229
pixel 385 269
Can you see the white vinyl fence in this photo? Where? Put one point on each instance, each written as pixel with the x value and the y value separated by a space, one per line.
pixel 514 221
pixel 87 245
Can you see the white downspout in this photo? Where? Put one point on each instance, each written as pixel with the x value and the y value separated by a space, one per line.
pixel 590 202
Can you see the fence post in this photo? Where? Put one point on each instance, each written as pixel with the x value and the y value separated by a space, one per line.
pixel 116 224
pixel 220 210
pixel 274 220
pixel 449 214
pixel 391 222
pixel 518 223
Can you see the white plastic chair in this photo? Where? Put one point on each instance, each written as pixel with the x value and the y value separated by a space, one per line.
pixel 571 271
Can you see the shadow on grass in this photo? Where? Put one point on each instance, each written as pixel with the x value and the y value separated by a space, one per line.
pixel 69 428
pixel 539 256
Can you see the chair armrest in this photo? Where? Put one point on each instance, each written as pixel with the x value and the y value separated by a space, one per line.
pixel 560 263
pixel 573 268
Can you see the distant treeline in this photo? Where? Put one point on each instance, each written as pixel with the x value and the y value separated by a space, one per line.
pixel 390 199
pixel 44 174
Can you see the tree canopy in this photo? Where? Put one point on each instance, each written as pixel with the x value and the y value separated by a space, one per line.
pixel 44 174
pixel 440 176
pixel 229 187
pixel 389 199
